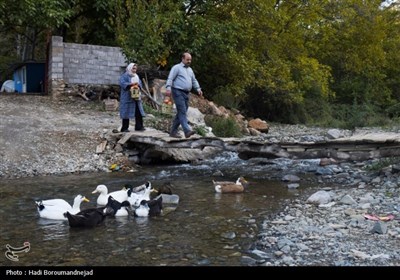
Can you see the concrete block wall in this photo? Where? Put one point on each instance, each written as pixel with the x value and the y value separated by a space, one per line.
pixel 73 64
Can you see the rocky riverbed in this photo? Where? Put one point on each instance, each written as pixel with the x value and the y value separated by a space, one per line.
pixel 41 136
pixel 354 222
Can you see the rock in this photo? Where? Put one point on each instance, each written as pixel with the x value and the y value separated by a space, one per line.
pixel 320 197
pixel 259 125
pixel 327 161
pixel 333 133
pixel 379 228
pixel 347 199
pixel 291 178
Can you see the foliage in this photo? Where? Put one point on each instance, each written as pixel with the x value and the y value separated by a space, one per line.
pixel 393 111
pixel 227 99
pixel 201 130
pixel 147 30
pixel 349 116
pixel 7 58
pixel 357 115
pixel 223 127
pixel 29 21
pixel 90 23
pixel 381 163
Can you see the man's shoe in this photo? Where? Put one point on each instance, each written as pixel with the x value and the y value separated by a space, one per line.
pixel 125 130
pixel 142 129
pixel 190 133
pixel 174 135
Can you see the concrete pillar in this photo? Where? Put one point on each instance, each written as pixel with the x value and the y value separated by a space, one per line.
pixel 56 67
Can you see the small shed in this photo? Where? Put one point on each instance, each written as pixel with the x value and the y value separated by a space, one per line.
pixel 29 77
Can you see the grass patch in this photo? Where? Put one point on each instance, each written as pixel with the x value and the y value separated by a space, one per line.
pixel 382 163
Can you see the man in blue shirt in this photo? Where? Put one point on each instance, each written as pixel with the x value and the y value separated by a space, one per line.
pixel 181 80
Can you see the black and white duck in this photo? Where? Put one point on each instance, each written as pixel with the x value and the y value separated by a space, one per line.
pixel 54 209
pixel 135 198
pixel 149 208
pixel 116 208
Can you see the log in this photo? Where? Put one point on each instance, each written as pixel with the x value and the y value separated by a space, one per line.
pixel 82 94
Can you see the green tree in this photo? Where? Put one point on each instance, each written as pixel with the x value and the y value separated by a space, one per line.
pixel 28 21
pixel 89 23
pixel 24 29
pixel 146 29
pixel 270 64
pixel 357 52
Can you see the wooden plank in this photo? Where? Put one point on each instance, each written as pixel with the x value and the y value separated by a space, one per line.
pixel 101 147
pixel 125 138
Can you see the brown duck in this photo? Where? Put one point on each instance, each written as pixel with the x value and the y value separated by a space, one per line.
pixel 230 187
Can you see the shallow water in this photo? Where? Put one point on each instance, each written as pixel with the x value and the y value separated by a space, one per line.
pixel 205 229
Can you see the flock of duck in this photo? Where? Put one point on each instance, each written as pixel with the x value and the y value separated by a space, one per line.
pixel 141 201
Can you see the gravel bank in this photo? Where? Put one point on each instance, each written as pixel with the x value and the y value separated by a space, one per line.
pixel 40 136
pixel 337 230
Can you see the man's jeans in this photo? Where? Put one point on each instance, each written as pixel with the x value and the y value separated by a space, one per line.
pixel 181 99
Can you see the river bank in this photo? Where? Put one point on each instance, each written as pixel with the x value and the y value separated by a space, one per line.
pixel 41 137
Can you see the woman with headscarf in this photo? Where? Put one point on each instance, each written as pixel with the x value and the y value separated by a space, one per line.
pixel 130 100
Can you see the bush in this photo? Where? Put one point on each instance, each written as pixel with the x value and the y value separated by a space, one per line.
pixel 345 116
pixel 223 127
pixel 201 130
pixel 394 111
pixel 359 115
pixel 226 99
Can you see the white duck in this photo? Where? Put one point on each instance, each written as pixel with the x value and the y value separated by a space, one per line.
pixel 143 210
pixel 54 209
pixel 102 200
